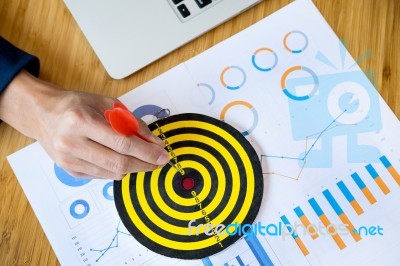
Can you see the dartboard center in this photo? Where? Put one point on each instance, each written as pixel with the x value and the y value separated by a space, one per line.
pixel 188 183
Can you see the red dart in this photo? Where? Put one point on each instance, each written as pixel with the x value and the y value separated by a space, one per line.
pixel 125 123
pixel 122 121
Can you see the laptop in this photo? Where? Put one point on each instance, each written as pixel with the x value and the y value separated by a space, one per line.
pixel 127 35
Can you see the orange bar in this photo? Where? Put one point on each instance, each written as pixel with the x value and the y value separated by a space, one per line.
pixel 357 208
pixel 367 193
pixel 394 174
pixel 311 229
pixel 345 220
pixel 335 236
pixel 382 185
pixel 302 246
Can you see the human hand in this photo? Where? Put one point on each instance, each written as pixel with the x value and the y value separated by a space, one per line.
pixel 72 129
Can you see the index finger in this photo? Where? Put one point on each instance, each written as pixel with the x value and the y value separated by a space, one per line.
pixel 152 152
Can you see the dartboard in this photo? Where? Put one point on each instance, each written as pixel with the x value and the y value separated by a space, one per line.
pixel 214 180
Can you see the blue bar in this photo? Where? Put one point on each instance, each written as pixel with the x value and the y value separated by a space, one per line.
pixel 258 251
pixel 385 161
pixel 332 201
pixel 299 212
pixel 371 171
pixel 289 227
pixel 207 262
pixel 346 192
pixel 226 264
pixel 239 260
pixel 316 207
pixel 358 181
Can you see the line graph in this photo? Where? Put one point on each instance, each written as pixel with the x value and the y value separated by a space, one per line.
pixel 114 243
pixel 302 159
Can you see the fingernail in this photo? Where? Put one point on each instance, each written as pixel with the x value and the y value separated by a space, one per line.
pixel 163 159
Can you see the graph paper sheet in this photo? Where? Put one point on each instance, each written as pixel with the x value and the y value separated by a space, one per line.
pixel 326 140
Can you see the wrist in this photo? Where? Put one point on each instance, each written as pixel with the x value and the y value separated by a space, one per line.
pixel 25 103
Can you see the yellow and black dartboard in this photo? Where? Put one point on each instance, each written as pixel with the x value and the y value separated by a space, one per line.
pixel 181 209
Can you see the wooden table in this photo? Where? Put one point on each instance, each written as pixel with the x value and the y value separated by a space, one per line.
pixel 46 29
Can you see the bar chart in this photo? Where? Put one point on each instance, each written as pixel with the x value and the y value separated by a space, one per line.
pixel 342 201
pixel 252 250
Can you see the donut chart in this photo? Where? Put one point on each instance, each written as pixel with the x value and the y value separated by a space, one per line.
pixel 295 33
pixel 151 109
pixel 80 203
pixel 216 181
pixel 211 89
pixel 106 191
pixel 264 68
pixel 292 95
pixel 234 68
pixel 249 106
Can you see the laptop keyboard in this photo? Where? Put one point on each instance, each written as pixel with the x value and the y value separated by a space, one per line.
pixel 187 9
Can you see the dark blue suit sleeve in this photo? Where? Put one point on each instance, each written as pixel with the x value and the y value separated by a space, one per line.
pixel 12 61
